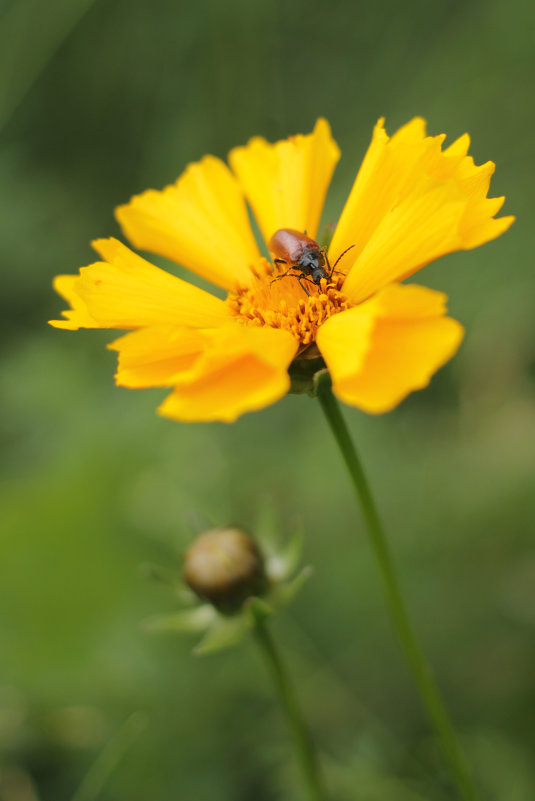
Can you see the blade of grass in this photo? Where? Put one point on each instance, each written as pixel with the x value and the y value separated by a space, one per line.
pixel 108 759
pixel 31 32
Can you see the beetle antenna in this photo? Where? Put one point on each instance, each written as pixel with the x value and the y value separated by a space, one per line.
pixel 340 256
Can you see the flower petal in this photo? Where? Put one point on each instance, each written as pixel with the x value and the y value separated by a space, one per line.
pixel 155 356
pixel 411 203
pixel 286 182
pixel 125 291
pixel 201 221
pixel 242 369
pixel 382 350
pixel 77 316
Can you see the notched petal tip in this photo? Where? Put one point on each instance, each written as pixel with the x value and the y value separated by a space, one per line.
pixel 200 221
pixel 389 346
pixel 66 325
pixel 127 292
pixel 285 182
pixel 108 248
pixel 413 131
pixel 411 203
pixel 156 356
pixel 459 147
pixel 78 315
pixel 240 370
pixel 323 132
pixel 419 376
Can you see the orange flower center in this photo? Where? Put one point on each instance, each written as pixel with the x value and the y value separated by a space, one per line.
pixel 282 302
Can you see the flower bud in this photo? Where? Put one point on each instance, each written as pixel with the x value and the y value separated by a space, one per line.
pixel 224 567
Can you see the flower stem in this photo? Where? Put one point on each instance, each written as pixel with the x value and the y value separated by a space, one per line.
pixel 419 667
pixel 304 747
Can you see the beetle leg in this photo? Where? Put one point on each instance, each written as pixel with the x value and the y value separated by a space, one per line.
pixel 300 278
pixel 329 268
pixel 278 278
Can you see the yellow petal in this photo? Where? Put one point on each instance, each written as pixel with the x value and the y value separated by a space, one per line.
pixel 286 182
pixel 382 350
pixel 77 316
pixel 242 369
pixel 201 222
pixel 411 203
pixel 155 356
pixel 125 291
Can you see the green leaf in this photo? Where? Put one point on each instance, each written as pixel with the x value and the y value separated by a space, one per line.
pixel 162 575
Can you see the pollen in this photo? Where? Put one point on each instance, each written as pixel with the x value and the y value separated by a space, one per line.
pixel 280 302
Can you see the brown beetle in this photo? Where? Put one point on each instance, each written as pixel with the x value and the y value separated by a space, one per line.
pixel 303 254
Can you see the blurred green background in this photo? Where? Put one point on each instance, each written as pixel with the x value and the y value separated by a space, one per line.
pixel 103 99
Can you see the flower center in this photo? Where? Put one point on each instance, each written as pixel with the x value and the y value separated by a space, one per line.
pixel 282 303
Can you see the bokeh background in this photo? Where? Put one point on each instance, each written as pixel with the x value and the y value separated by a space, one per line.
pixel 102 99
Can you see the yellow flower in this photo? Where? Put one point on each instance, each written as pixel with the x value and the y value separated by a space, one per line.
pixel 411 203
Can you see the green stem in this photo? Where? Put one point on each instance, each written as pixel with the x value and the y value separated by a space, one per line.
pixel 420 669
pixel 304 747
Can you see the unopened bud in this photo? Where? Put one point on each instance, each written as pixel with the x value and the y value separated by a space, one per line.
pixel 224 567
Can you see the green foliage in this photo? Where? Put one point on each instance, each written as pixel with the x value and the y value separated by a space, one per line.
pixel 101 101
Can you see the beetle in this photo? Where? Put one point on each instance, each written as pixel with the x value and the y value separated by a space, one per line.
pixel 301 252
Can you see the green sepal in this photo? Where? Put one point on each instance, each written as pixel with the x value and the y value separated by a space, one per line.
pixel 282 562
pixel 282 555
pixel 321 383
pixel 283 594
pixel 258 609
pixel 303 369
pixel 267 526
pixel 193 620
pixel 198 521
pixel 170 579
pixel 159 574
pixel 225 632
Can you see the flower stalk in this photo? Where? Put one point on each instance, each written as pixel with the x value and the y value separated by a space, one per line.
pixel 304 747
pixel 419 667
